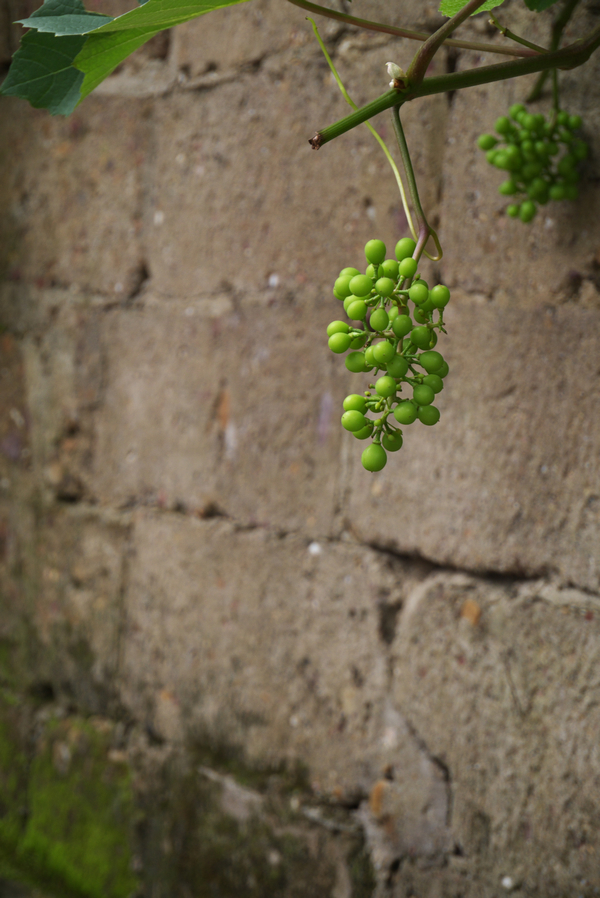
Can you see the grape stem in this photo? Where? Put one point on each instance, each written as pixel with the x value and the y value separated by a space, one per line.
pixel 482 47
pixel 569 57
pixel 506 32
pixel 423 56
pixel 425 230
pixel 377 137
pixel 558 27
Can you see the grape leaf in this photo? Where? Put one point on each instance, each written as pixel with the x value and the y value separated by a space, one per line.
pixel 539 5
pixel 113 42
pixel 451 7
pixel 43 73
pixel 64 59
pixel 64 17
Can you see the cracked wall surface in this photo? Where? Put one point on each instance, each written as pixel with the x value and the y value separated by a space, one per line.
pixel 322 681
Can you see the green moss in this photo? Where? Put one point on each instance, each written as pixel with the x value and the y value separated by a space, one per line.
pixel 80 813
pixel 66 815
pixel 362 874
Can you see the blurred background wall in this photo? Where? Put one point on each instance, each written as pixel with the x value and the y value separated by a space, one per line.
pixel 232 661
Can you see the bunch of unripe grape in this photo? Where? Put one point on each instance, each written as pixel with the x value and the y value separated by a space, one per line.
pixel 395 319
pixel 541 158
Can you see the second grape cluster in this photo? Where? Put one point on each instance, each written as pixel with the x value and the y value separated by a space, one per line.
pixel 541 158
pixel 396 319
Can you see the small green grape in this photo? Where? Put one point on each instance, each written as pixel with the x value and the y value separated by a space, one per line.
pixel 365 433
pixel 370 357
pixel 502 126
pixel 404 249
pixel 339 342
pixel 374 457
pixel 439 296
pixel 432 339
pixel 408 268
pixel 428 414
pixel 420 316
pixel 374 271
pixel 337 295
pixel 580 150
pixel 390 269
pixel 397 367
pixel 383 352
pixel 349 300
pixel 393 313
pixel 527 211
pixel 359 341
pixel 443 371
pixel 574 122
pixel 361 285
pixel 357 310
pixel 375 251
pixel 432 361
pixel 355 403
pixel 531 170
pixel 402 325
pixel 379 320
pixel 423 394
pixel 392 441
pixel 337 327
pixel 563 118
pixel 421 337
pixel 405 412
pixel 557 192
pixel 353 420
pixel 349 272
pixel 341 286
pixel 515 110
pixel 566 164
pixel 435 382
pixel 418 293
pixel 385 286
pixel 512 210
pixel 486 142
pixel 507 188
pixel 386 386
pixel 356 362
pixel 537 188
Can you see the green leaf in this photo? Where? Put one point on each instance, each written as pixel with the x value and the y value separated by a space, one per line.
pixel 64 17
pixel 68 55
pixel 42 72
pixel 113 42
pixel 102 53
pixel 539 5
pixel 156 15
pixel 451 7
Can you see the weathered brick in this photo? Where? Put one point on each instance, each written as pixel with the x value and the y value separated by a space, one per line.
pixel 222 405
pixel 266 641
pixel 507 705
pixel 508 479
pixel 71 195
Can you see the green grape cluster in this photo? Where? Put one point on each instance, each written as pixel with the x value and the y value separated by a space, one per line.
pixel 541 158
pixel 395 319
